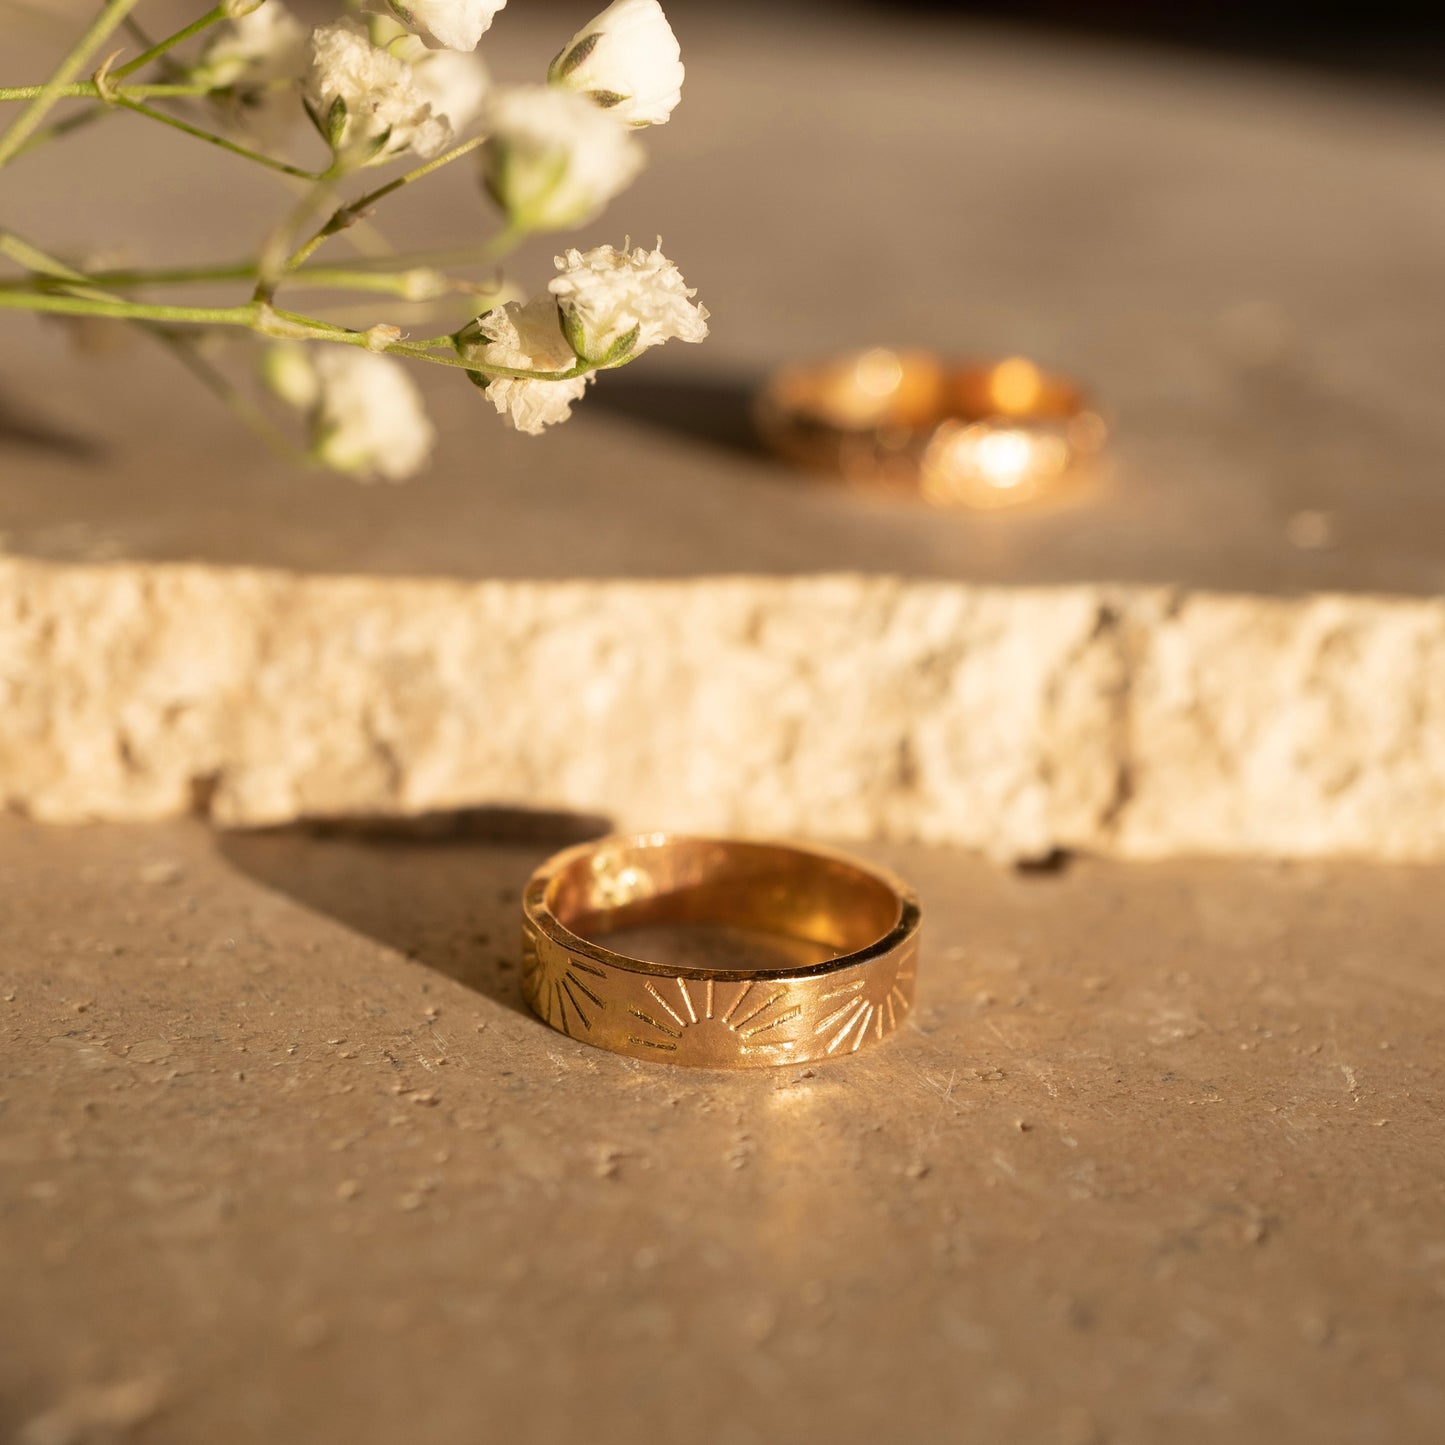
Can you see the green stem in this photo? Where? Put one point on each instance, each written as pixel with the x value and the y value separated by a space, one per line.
pixel 252 315
pixel 161 46
pixel 73 63
pixel 183 348
pixel 215 140
pixel 351 212
pixel 456 153
pixel 400 282
pixel 243 315
pixel 34 259
pixel 89 90
pixel 121 280
pixel 276 253
pixel 486 254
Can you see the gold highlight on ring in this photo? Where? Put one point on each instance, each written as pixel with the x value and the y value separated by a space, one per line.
pixel 982 436
pixel 718 953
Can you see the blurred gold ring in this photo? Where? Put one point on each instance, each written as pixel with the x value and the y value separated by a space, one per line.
pixel 813 954
pixel 959 435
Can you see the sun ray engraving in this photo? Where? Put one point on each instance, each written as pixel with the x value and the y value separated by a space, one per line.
pixel 652 1044
pixel 757 1018
pixel 581 1012
pixel 667 1008
pixel 868 1002
pixel 746 989
pixel 648 1019
pixel 556 984
pixel 687 999
pixel 787 1016
pixel 761 1008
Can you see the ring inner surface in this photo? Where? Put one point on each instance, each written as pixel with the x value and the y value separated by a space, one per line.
pixel 726 907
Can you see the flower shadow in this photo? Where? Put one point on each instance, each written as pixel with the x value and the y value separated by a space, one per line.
pixel 442 888
pixel 717 411
pixel 24 431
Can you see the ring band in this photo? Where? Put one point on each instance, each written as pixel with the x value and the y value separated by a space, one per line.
pixel 815 952
pixel 983 436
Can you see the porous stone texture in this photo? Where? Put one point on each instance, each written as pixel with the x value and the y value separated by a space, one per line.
pixel 284 1160
pixel 1133 721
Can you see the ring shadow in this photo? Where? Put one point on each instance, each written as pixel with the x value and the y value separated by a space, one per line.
pixel 442 888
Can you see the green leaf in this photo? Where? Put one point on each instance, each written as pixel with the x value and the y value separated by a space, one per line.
pixel 573 331
pixel 569 60
pixel 606 98
pixel 336 122
pixel 621 348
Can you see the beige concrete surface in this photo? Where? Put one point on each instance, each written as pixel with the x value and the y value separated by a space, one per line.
pixel 282 1158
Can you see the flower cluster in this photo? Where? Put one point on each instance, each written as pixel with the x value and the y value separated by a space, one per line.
pixel 403 80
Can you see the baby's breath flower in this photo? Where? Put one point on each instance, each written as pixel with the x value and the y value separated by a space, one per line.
pixel 448 24
pixel 454 85
pixel 365 414
pixel 627 60
pixel 554 160
pixel 624 302
pixel 365 100
pixel 268 43
pixel 250 57
pixel 529 338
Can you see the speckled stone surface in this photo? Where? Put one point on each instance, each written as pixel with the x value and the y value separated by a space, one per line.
pixel 283 1157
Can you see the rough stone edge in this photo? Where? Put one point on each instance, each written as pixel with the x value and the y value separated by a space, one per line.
pixel 1124 720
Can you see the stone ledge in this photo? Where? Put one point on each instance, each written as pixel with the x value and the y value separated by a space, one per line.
pixel 1133 721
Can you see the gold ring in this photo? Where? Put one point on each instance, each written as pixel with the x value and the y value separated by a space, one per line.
pixel 719 953
pixel 969 435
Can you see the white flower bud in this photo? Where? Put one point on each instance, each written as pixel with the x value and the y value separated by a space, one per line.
pixel 607 295
pixel 265 44
pixel 287 371
pixel 424 283
pixel 365 414
pixel 454 85
pixel 368 419
pixel 246 57
pixel 365 101
pixel 381 336
pixel 529 338
pixel 554 160
pixel 448 24
pixel 238 9
pixel 627 60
